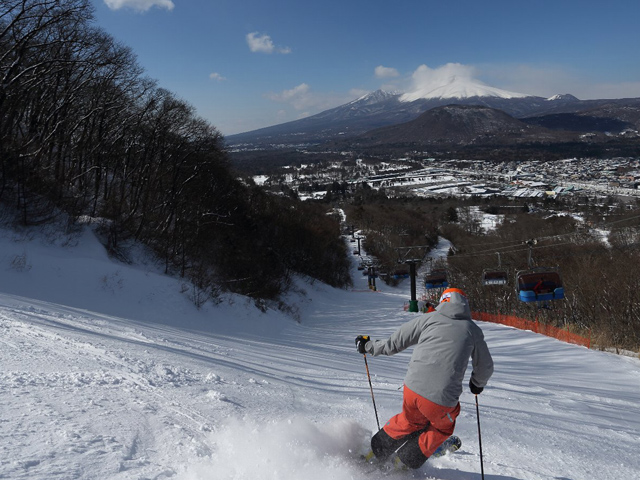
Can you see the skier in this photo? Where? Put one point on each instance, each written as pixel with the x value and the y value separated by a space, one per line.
pixel 445 340
pixel 428 307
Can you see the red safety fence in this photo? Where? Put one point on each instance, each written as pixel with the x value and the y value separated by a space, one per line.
pixel 534 326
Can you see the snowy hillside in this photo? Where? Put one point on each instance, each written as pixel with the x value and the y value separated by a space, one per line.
pixel 109 372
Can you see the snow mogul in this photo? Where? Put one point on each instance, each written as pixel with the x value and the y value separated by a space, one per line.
pixel 444 340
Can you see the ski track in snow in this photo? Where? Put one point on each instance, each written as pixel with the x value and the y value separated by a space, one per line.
pixel 227 392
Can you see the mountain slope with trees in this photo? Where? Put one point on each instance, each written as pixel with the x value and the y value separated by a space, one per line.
pixel 593 244
pixel 456 125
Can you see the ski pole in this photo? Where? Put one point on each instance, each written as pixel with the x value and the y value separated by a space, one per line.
pixel 479 438
pixel 371 388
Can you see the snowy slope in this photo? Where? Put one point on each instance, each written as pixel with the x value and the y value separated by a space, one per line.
pixel 108 372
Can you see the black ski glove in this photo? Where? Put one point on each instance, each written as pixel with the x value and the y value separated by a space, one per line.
pixel 361 341
pixel 475 390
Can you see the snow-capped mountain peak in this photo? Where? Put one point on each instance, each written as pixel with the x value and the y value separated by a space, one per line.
pixel 374 97
pixel 562 97
pixel 458 87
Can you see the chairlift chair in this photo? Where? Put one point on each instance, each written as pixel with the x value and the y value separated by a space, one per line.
pixel 400 273
pixel 539 285
pixel 494 277
pixel 436 279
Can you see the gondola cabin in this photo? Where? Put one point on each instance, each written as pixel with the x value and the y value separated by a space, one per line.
pixel 494 277
pixel 539 285
pixel 436 279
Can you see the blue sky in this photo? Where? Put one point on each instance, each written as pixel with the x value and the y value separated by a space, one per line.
pixel 246 64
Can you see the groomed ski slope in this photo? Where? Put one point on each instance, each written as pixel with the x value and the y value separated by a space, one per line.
pixel 109 372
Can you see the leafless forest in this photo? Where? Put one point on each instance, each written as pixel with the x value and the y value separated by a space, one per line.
pixel 83 132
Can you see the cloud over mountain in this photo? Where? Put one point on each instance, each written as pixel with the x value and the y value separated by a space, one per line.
pixel 452 80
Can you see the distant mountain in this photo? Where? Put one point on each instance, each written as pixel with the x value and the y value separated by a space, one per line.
pixel 579 122
pixel 372 111
pixel 380 109
pixel 563 97
pixel 613 116
pixel 453 125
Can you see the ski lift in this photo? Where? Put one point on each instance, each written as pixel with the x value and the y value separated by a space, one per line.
pixel 399 273
pixel 494 277
pixel 539 285
pixel 436 279
pixel 497 276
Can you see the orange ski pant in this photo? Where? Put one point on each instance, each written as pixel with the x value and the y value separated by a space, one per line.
pixel 418 413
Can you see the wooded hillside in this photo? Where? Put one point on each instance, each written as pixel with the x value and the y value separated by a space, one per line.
pixel 83 131
pixel 596 256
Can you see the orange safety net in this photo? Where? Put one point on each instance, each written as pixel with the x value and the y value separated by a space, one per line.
pixel 534 326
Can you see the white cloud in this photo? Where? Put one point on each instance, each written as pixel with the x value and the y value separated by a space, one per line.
pixel 386 72
pixel 304 101
pixel 139 5
pixel 263 44
pixel 299 96
pixel 425 78
pixel 216 76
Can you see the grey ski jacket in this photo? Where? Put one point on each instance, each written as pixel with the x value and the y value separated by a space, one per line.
pixel 444 342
